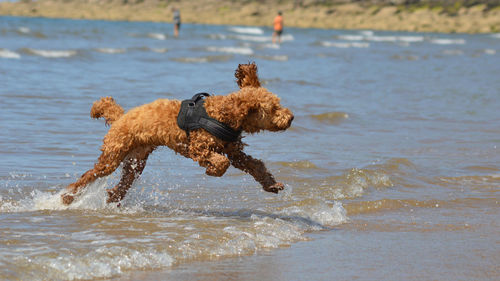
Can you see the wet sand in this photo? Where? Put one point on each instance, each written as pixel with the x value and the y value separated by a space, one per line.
pixel 424 18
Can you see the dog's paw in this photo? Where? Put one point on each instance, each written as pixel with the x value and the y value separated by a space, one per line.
pixel 275 188
pixel 67 198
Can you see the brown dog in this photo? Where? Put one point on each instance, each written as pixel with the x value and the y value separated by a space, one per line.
pixel 135 134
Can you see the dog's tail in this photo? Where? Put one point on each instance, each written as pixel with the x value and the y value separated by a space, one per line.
pixel 108 109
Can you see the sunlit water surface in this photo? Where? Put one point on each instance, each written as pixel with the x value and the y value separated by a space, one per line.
pixel 391 165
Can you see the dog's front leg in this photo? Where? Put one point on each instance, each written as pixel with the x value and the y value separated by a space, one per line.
pixel 257 169
pixel 215 163
pixel 202 149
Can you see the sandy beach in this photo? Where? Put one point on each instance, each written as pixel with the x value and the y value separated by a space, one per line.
pixel 419 17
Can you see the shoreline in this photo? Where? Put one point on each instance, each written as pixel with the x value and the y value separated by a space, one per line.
pixel 423 18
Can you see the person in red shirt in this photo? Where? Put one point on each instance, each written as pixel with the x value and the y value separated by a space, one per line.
pixel 278 27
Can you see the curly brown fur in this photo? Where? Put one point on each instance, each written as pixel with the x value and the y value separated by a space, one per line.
pixel 135 134
pixel 246 76
pixel 107 108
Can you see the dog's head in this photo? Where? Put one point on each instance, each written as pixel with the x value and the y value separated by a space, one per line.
pixel 261 109
pixel 251 109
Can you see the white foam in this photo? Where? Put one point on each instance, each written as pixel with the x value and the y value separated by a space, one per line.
pixel 7 54
pixel 287 37
pixel 490 51
pixel 111 50
pixel 496 35
pixel 382 38
pixel 345 44
pixel 446 41
pixel 93 197
pixel 103 262
pixel 193 59
pixel 351 37
pixel 371 37
pixel 272 46
pixel 366 33
pixel 356 182
pixel 159 50
pixel 284 38
pixel 24 29
pixel 275 58
pixel 53 53
pixel 247 30
pixel 158 36
pixel 231 50
pixel 217 36
pixel 411 39
pixel 253 38
pixel 322 213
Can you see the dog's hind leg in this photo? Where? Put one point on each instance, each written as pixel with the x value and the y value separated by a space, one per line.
pixel 256 169
pixel 134 164
pixel 107 163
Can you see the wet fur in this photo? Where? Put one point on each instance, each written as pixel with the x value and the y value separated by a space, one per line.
pixel 135 134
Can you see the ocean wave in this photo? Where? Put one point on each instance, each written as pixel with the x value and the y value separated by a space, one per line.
pixel 90 263
pixel 253 38
pixel 149 233
pixel 345 44
pixel 411 39
pixel 366 32
pixel 374 38
pixel 7 54
pixel 323 213
pixel 447 41
pixel 158 36
pixel 51 53
pixel 231 50
pixel 26 31
pixel 273 58
pixel 247 30
pixel 452 52
pixel 216 36
pixel 489 51
pixel 111 50
pixel 159 50
pixel 496 35
pixel 351 37
pixel 354 183
pixel 205 59
pixel 23 29
pixel 271 46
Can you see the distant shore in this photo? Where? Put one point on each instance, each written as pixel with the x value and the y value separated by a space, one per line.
pixel 420 17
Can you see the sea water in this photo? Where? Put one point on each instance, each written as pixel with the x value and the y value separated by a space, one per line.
pixel 391 166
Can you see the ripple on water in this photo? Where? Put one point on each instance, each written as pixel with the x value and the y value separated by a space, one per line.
pixel 146 233
pixel 330 117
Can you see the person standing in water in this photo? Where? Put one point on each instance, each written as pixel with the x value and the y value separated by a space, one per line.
pixel 278 27
pixel 177 21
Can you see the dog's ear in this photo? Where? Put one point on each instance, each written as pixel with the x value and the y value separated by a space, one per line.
pixel 246 75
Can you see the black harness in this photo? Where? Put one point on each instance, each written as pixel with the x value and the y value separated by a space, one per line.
pixel 193 115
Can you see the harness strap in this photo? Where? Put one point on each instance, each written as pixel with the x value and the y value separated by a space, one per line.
pixel 192 115
pixel 218 129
